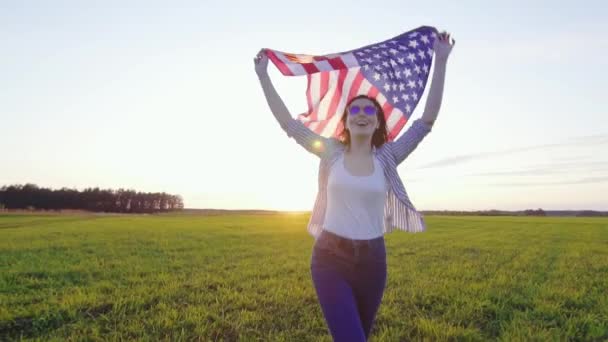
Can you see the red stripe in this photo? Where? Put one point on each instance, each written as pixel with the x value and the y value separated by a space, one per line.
pixel 387 109
pixel 398 126
pixel 337 95
pixel 354 90
pixel 356 85
pixel 279 63
pixel 373 91
pixel 322 91
pixel 337 63
pixel 308 94
pixel 319 58
pixel 310 68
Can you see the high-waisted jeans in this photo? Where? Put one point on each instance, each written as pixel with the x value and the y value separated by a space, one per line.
pixel 349 278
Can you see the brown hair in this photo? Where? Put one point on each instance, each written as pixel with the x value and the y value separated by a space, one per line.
pixel 380 135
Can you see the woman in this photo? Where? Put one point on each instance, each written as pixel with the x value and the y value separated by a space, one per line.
pixel 360 199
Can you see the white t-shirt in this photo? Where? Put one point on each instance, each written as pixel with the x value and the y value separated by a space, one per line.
pixel 355 204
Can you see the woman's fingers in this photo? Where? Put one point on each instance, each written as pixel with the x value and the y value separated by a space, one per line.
pixel 444 36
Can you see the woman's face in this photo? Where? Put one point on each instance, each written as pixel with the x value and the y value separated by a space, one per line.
pixel 361 117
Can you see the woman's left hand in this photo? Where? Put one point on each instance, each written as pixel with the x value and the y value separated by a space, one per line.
pixel 443 45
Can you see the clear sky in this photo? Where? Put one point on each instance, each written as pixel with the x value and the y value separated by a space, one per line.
pixel 162 96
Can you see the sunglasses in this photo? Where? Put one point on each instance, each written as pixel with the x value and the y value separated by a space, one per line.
pixel 368 110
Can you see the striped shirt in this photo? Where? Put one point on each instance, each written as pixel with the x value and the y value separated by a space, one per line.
pixel 399 212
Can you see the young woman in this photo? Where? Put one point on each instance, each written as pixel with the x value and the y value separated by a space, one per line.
pixel 360 199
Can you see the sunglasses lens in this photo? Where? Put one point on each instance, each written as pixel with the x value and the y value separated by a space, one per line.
pixel 354 110
pixel 370 110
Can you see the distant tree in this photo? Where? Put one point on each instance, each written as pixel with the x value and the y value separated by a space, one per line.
pixel 591 213
pixel 532 212
pixel 94 199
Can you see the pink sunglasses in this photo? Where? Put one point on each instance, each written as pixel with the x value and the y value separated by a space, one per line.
pixel 368 110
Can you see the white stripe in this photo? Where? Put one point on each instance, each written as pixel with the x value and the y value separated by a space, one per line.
pixel 349 60
pixel 315 86
pixel 365 87
pixel 296 68
pixel 393 118
pixel 381 99
pixel 335 119
pixel 323 65
pixel 331 89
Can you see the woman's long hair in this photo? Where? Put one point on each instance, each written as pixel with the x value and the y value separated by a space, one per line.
pixel 380 135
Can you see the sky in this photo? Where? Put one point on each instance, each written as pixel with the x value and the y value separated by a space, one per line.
pixel 162 96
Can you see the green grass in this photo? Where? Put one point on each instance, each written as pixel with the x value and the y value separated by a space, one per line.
pixel 247 278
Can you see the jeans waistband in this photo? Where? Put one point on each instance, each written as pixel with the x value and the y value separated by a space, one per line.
pixel 344 241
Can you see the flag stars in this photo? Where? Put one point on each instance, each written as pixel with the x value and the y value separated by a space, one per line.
pixel 398 68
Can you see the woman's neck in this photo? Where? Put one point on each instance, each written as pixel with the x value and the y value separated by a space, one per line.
pixel 361 145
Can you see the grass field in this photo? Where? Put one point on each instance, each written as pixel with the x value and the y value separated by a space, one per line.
pixel 247 278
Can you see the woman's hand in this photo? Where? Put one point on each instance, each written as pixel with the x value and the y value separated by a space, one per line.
pixel 261 63
pixel 443 45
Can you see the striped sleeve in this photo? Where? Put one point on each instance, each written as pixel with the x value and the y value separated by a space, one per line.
pixel 407 143
pixel 311 141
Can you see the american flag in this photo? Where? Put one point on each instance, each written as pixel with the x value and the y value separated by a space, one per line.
pixel 394 72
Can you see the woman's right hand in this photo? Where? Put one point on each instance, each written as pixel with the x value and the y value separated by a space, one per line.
pixel 261 63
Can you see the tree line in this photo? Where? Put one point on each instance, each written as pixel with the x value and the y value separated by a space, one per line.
pixel 30 196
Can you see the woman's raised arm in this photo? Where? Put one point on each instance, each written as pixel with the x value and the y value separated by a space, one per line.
pixel 312 142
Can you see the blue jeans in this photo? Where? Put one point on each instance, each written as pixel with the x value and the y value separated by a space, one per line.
pixel 349 277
